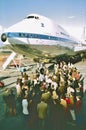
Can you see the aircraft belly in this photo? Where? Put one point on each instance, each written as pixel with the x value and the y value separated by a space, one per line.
pixel 38 50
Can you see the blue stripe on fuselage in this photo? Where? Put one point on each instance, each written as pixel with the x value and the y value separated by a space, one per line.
pixel 37 36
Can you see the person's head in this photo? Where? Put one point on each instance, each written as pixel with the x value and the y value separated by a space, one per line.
pixel 6 90
pixel 42 99
pixel 78 98
pixel 11 91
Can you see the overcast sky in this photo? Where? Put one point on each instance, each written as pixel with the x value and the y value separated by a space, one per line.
pixel 71 14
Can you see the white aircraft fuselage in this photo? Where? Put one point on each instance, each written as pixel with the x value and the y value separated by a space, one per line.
pixel 36 30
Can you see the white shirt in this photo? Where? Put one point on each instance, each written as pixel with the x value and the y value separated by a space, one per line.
pixel 18 89
pixel 41 77
pixel 55 85
pixel 69 90
pixel 25 106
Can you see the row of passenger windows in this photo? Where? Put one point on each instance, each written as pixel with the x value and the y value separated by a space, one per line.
pixel 39 36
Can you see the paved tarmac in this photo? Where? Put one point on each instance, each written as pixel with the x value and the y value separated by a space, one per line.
pixel 7 122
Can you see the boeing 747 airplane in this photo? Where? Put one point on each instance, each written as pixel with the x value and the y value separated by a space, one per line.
pixel 40 36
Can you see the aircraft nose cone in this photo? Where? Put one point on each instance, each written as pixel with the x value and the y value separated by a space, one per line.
pixel 3 37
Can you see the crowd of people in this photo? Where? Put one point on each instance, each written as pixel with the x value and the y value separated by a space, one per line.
pixel 49 98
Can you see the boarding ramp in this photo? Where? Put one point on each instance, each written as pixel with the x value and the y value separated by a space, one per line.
pixel 9 59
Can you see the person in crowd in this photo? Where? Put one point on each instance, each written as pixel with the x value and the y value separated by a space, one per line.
pixel 32 77
pixel 57 116
pixel 54 96
pixel 18 88
pixel 79 118
pixel 33 118
pixel 24 77
pixel 72 108
pixel 54 84
pixel 46 95
pixel 69 90
pixel 80 86
pixel 12 103
pixel 63 102
pixel 42 110
pixel 6 101
pixel 25 109
pixel 78 104
pixel 25 89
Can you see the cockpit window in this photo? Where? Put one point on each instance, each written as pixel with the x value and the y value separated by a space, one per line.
pixel 30 17
pixel 36 17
